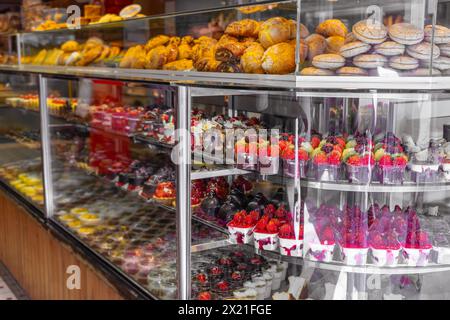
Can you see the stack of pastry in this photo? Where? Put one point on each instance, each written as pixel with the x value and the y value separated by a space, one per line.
pixel 399 47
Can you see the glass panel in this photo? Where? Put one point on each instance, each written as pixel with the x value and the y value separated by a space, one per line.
pixel 367 38
pixel 244 149
pixel 8 49
pixel 116 193
pixel 213 40
pixel 20 159
pixel 441 63
pixel 376 194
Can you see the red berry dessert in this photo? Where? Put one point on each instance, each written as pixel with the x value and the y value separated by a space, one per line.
pixel 241 227
pixel 266 233
pixel 289 245
pixel 359 168
pixel 165 193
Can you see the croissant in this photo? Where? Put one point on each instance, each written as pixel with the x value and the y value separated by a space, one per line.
pixel 229 67
pixel 175 41
pixel 105 53
pixel 207 64
pixel 243 28
pixel 184 51
pixel 229 51
pixel 156 41
pixel 273 31
pixel 156 57
pixel 204 49
pixel 69 46
pixel 139 58
pixel 227 38
pixel 182 64
pixel 251 60
pixel 90 55
pixel 187 40
pixel 172 53
pixel 279 59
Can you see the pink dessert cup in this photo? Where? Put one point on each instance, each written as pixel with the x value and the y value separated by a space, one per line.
pixel 417 257
pixel 322 252
pixel 355 256
pixel 266 241
pixel 289 168
pixel 385 256
pixel 291 247
pixel 240 235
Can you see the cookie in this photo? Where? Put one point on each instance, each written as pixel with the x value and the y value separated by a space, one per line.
pixel 441 34
pixel 403 63
pixel 369 61
pixel 353 49
pixel 369 31
pixel 328 61
pixel 351 71
pixel 406 33
pixel 423 51
pixel 390 48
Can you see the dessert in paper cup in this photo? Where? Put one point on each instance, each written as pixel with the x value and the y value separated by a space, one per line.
pixel 289 246
pixel 266 233
pixel 241 227
pixel 359 168
pixel 323 249
pixel 287 152
pixel 385 249
pixel 417 249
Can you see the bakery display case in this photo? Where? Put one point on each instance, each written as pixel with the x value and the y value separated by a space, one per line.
pixel 311 162
pixel 21 162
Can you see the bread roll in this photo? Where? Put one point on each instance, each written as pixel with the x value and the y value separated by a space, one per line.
pixel 251 60
pixel 317 44
pixel 273 31
pixel 159 40
pixel 279 59
pixel 334 44
pixel 332 27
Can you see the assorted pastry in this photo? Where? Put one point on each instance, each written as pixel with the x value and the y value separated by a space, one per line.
pixel 374 48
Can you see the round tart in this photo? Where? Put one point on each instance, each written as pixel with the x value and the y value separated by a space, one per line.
pixel 370 31
pixel 79 211
pixel 89 219
pixel 406 33
pixel 165 192
pixel 67 218
pixel 86 231
pixel 353 49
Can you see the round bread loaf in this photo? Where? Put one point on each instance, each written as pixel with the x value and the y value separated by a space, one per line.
pixel 369 61
pixel 403 63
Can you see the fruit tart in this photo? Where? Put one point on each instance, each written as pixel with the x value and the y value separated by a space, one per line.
pixel 165 192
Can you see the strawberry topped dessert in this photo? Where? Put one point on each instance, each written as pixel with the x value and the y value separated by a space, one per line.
pixel 289 244
pixel 266 233
pixel 354 236
pixel 391 160
pixel 242 225
pixel 287 152
pixel 359 158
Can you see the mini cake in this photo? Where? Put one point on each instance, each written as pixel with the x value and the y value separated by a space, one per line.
pixel 90 219
pixel 165 193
